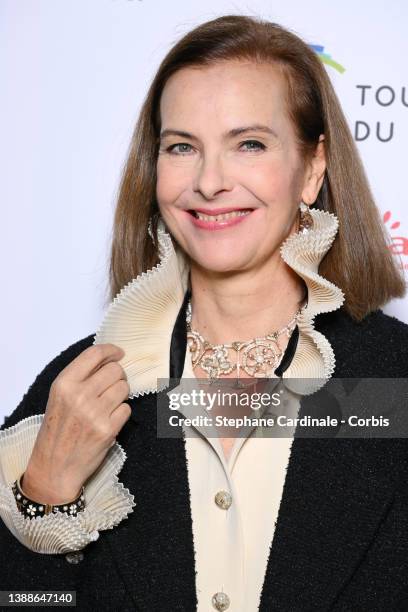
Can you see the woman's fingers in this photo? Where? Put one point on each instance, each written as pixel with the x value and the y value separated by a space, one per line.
pixel 114 395
pixel 91 359
pixel 119 417
pixel 105 377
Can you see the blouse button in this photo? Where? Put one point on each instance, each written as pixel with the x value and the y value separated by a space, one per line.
pixel 220 601
pixel 223 499
pixel 75 557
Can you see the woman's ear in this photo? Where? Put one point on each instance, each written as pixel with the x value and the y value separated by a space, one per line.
pixel 314 176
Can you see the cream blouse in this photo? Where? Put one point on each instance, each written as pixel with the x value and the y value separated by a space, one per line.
pixel 232 538
pixel 231 543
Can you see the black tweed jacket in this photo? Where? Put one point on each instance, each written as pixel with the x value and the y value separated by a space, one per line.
pixel 341 538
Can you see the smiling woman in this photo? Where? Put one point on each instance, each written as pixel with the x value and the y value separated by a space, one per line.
pixel 246 245
pixel 214 171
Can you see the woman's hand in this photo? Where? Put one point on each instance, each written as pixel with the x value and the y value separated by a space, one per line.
pixel 84 414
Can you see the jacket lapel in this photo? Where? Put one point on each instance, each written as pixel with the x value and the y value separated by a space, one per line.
pixel 154 548
pixel 336 493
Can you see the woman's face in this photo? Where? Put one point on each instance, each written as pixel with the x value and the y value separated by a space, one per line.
pixel 208 161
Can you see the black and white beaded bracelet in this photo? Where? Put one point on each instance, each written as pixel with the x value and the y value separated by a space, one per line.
pixel 31 508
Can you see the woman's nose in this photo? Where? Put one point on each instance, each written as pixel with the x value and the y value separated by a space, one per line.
pixel 211 177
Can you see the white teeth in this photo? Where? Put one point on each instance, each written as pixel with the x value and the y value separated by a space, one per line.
pixel 235 213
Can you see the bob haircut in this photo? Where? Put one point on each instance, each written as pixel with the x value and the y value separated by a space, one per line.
pixel 359 261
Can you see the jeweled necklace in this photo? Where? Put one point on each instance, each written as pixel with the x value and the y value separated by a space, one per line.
pixel 258 357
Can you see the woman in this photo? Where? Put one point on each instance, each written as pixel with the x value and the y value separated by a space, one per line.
pixel 244 217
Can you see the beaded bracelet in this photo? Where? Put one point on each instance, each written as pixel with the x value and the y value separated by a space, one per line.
pixel 31 509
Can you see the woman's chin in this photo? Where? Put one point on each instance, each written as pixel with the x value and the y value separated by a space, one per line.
pixel 221 266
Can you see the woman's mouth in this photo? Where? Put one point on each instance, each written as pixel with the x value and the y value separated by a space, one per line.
pixel 218 221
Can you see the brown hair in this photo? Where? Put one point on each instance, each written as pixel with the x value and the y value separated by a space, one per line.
pixel 360 261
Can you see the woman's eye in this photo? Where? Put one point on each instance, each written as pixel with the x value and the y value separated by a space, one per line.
pixel 257 145
pixel 182 150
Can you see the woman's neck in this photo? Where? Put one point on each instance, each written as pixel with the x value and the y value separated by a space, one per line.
pixel 240 306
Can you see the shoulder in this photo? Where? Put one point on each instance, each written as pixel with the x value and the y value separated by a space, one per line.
pixel 70 352
pixel 35 398
pixel 60 361
pixel 375 346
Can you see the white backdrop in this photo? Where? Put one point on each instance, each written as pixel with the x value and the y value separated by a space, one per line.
pixel 74 73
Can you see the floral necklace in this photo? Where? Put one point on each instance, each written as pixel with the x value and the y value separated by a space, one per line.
pixel 258 357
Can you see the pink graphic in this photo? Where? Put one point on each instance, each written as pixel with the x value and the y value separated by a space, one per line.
pixel 399 244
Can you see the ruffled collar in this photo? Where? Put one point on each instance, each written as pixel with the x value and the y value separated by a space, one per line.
pixel 141 318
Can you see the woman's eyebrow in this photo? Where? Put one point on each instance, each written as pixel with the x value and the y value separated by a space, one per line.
pixel 230 134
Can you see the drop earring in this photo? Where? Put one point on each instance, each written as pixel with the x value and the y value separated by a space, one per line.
pixel 305 218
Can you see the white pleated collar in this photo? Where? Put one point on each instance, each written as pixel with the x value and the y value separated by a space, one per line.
pixel 141 317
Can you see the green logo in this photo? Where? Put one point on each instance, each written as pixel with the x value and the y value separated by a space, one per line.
pixel 327 59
